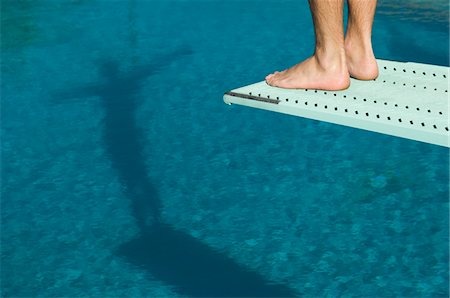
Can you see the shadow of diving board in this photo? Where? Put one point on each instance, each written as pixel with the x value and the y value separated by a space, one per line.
pixel 407 100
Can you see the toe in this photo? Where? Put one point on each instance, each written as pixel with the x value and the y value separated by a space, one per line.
pixel 273 81
pixel 272 74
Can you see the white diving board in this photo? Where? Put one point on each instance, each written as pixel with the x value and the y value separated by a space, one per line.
pixel 408 100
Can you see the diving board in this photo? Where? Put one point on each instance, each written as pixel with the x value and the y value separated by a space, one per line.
pixel 407 100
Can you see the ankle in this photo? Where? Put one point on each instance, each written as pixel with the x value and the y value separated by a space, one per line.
pixel 334 59
pixel 360 47
pixel 361 60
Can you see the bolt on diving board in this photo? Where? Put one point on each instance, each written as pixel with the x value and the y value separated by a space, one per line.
pixel 407 100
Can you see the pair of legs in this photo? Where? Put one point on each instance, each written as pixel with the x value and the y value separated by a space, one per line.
pixel 335 58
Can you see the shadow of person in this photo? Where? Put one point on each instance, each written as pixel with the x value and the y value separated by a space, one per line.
pixel 191 267
pixel 195 269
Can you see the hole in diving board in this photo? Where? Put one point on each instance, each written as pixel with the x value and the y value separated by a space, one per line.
pixel 414 71
pixel 366 100
pixel 360 111
pixel 367 114
pixel 372 101
pixel 414 86
pixel 389 118
pixel 375 102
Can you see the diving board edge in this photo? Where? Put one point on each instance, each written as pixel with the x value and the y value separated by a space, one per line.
pixel 253 101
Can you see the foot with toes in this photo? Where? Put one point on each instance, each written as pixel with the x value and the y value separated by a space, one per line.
pixel 313 74
pixel 336 58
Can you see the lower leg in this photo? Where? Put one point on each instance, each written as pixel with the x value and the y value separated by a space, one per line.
pixel 358 40
pixel 327 68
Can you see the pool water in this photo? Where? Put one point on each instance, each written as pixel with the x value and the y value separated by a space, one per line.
pixel 124 174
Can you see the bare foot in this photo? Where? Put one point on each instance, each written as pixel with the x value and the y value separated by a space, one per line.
pixel 361 61
pixel 313 73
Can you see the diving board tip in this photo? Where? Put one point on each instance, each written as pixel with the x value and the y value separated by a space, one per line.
pixel 408 100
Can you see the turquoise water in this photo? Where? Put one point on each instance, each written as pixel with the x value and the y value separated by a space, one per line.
pixel 124 174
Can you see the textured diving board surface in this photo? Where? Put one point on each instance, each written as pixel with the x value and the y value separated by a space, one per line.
pixel 408 100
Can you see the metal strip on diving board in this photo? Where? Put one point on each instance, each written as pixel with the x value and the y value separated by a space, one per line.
pixel 408 100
